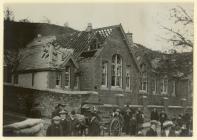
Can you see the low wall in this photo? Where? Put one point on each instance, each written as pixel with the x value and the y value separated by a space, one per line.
pixel 21 100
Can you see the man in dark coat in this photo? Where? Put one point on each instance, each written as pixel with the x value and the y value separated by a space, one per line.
pixel 55 129
pixel 152 131
pixel 127 119
pixel 64 122
pixel 154 115
pixel 133 126
pixel 162 118
pixel 94 126
pixel 139 118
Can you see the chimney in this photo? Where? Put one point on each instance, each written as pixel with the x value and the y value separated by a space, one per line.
pixel 89 27
pixel 130 38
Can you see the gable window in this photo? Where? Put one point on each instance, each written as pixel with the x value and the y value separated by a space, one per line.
pixel 58 79
pixel 144 83
pixel 67 77
pixel 116 80
pixel 154 86
pixel 164 88
pixel 128 79
pixel 104 74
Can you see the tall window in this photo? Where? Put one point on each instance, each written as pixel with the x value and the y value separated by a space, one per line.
pixel 58 79
pixel 104 74
pixel 154 86
pixel 164 89
pixel 128 79
pixel 144 82
pixel 116 80
pixel 67 77
pixel 174 88
pixel 76 81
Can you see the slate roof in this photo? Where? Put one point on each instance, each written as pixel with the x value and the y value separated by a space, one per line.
pixel 177 65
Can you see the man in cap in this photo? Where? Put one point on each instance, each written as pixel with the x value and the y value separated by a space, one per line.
pixel 168 129
pixel 153 127
pixel 57 110
pixel 55 129
pixel 64 122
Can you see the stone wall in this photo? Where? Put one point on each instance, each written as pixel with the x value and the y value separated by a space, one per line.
pixel 21 100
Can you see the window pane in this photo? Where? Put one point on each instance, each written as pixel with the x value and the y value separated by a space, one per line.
pixel 104 74
pixel 113 81
pixel 67 76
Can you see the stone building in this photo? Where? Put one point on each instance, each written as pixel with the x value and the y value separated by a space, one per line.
pixel 98 66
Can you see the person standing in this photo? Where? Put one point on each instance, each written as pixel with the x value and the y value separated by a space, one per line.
pixel 127 119
pixel 154 115
pixel 133 126
pixel 94 126
pixel 152 130
pixel 55 129
pixel 64 123
pixel 162 118
pixel 139 118
pixel 73 124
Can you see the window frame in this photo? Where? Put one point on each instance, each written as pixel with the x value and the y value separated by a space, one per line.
pixel 116 65
pixel 128 71
pixel 59 76
pixel 163 92
pixel 155 86
pixel 174 88
pixel 67 72
pixel 105 64
pixel 144 76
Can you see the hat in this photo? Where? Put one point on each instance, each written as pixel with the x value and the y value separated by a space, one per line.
pixel 56 118
pixel 167 124
pixel 63 112
pixel 153 122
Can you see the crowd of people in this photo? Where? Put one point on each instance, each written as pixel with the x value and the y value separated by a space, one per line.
pixel 159 125
pixel 132 122
pixel 66 123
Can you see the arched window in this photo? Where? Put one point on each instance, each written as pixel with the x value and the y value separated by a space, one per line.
pixel 116 80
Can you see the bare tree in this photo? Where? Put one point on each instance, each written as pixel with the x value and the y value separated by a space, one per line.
pixel 25 20
pixel 180 37
pixel 8 15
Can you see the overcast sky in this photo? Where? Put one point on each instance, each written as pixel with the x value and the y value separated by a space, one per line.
pixel 142 19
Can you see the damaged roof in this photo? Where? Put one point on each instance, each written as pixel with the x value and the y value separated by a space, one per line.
pixel 36 56
pixel 85 43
